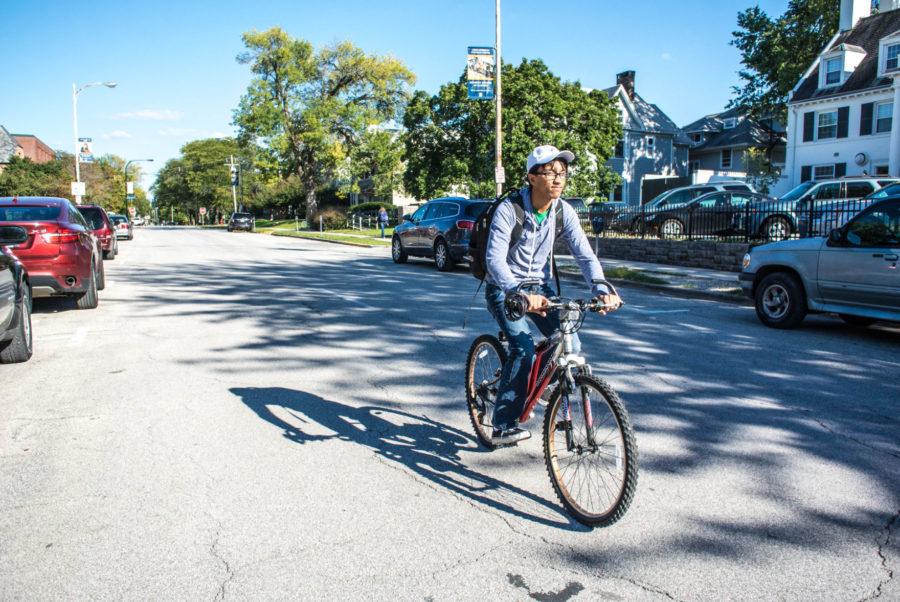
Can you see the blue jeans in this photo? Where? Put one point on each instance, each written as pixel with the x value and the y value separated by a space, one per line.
pixel 382 225
pixel 513 386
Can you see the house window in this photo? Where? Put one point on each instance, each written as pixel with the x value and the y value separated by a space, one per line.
pixel 729 123
pixel 695 166
pixel 883 114
pixel 823 172
pixel 893 57
pixel 833 69
pixel 619 152
pixel 651 143
pixel 697 137
pixel 827 125
pixel 617 193
pixel 881 170
pixel 726 158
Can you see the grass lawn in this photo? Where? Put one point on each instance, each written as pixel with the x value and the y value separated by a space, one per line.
pixel 350 240
pixel 633 276
pixel 375 232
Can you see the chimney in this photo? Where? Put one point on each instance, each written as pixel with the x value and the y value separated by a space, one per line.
pixel 852 11
pixel 626 80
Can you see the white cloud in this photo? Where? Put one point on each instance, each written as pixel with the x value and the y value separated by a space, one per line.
pixel 175 132
pixel 219 135
pixel 151 115
pixel 116 134
pixel 666 56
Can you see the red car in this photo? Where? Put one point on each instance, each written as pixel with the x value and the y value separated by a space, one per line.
pixel 61 254
pixel 103 229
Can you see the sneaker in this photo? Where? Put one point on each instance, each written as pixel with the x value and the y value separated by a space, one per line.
pixel 509 436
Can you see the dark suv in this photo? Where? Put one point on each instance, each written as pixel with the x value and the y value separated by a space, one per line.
pixel 103 228
pixel 241 221
pixel 440 228
pixel 15 300
pixel 61 253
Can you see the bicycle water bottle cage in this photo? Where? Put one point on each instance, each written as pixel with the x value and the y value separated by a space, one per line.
pixel 515 306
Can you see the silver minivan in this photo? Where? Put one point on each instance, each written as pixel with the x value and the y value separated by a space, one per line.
pixel 853 272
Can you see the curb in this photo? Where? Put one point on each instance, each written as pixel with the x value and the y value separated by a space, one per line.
pixel 335 242
pixel 683 292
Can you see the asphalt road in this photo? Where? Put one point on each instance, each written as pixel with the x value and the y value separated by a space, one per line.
pixel 247 416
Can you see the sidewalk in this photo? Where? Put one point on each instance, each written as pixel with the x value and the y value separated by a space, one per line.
pixel 695 281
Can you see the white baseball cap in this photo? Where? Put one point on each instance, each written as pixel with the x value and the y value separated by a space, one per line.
pixel 546 154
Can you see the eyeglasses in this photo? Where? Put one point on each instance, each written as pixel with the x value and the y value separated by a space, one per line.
pixel 552 175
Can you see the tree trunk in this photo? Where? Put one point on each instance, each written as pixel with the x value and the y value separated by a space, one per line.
pixel 311 206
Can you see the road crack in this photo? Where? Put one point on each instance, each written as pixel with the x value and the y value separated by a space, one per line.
pixel 848 437
pixel 888 530
pixel 229 572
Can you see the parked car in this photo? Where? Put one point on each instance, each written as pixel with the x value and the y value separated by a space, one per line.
pixel 103 229
pixel 781 218
pixel 440 229
pixel 579 206
pixel 711 214
pixel 137 221
pixel 241 221
pixel 633 220
pixel 853 272
pixel 61 254
pixel 16 341
pixel 124 229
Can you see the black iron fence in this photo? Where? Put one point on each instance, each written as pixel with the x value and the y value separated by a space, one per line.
pixel 751 222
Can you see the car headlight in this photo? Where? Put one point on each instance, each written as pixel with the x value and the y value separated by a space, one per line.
pixel 746 261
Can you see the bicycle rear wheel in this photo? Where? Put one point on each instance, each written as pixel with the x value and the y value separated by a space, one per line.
pixel 590 452
pixel 483 367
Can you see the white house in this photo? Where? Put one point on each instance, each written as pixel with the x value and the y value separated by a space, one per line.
pixel 842 113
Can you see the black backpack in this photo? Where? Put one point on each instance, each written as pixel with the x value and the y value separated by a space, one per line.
pixel 479 239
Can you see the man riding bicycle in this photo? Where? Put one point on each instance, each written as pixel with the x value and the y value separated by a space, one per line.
pixel 529 259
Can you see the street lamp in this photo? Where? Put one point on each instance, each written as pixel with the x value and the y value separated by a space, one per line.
pixel 127 163
pixel 75 92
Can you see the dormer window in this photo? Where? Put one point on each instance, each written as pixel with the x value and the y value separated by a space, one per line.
pixel 730 123
pixel 833 68
pixel 892 62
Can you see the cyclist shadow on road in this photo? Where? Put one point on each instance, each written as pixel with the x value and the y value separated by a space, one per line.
pixel 428 449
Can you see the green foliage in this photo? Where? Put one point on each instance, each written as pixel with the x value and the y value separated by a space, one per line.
pixel 332 219
pixel 308 108
pixel 368 207
pixel 26 178
pixel 760 171
pixel 377 160
pixel 449 144
pixel 776 52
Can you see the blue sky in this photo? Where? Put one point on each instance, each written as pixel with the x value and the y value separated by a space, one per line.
pixel 178 79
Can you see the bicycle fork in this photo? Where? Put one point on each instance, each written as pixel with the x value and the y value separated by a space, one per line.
pixel 568 387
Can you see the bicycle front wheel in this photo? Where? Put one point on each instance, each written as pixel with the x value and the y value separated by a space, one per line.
pixel 484 365
pixel 590 452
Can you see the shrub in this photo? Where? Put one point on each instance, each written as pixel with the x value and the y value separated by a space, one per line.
pixel 332 219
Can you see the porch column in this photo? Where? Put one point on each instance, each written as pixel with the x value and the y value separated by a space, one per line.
pixel 894 160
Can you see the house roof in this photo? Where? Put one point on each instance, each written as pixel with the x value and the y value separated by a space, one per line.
pixel 864 37
pixel 651 117
pixel 747 132
pixel 8 145
pixel 712 122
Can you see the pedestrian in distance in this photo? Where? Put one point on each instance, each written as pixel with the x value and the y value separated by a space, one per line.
pixel 510 262
pixel 382 220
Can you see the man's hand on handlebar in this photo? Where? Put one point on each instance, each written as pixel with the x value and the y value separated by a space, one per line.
pixel 609 303
pixel 537 304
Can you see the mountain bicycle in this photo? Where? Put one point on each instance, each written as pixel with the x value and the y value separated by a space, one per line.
pixel 589 446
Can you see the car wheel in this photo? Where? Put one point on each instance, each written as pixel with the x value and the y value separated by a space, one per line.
pixel 671 228
pixel 857 321
pixel 776 228
pixel 107 254
pixel 89 299
pixel 101 278
pixel 780 301
pixel 442 258
pixel 397 252
pixel 20 348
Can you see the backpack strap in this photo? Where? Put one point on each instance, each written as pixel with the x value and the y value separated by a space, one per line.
pixel 557 234
pixel 518 204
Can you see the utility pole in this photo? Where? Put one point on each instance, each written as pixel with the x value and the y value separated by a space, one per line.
pixel 234 170
pixel 499 176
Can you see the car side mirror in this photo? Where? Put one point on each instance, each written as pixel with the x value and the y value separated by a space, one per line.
pixel 12 235
pixel 407 218
pixel 836 236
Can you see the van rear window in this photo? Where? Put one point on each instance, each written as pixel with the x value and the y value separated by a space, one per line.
pixel 29 213
pixel 92 216
pixel 476 209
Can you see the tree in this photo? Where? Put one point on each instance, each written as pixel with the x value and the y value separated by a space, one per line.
pixel 449 143
pixel 200 178
pixel 24 177
pixel 776 52
pixel 378 159
pixel 308 108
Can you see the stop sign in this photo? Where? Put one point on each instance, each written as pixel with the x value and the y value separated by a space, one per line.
pixel 131 211
pixel 202 210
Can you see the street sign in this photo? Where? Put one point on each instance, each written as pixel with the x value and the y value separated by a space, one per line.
pixel 131 211
pixel 78 189
pixel 499 175
pixel 202 210
pixel 129 187
pixel 480 66
pixel 130 197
